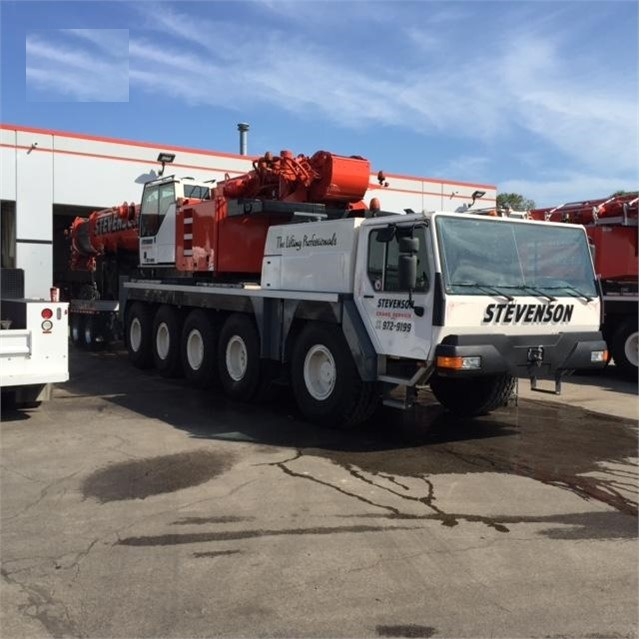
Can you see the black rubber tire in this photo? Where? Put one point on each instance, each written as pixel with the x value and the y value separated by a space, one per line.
pixel 167 320
pixel 200 326
pixel 473 396
pixel 247 386
pixel 93 333
pixel 139 316
pixel 625 332
pixel 77 330
pixel 351 400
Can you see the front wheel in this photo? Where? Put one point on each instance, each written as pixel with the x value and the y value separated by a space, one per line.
pixel 326 383
pixel 473 396
pixel 625 348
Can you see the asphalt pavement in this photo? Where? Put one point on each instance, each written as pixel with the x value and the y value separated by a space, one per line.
pixel 136 506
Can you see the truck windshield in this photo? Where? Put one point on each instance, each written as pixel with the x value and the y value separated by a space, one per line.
pixel 514 258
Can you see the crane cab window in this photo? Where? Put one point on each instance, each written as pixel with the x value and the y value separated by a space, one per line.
pixel 196 191
pixel 156 201
pixel 382 263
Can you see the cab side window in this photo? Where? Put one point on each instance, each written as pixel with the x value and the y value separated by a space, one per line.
pixel 382 263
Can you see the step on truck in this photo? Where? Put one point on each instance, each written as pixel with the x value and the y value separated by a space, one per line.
pixel 34 344
pixel 284 274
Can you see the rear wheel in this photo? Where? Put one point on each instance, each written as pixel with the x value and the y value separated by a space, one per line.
pixel 138 335
pixel 473 396
pixel 198 349
pixel 625 348
pixel 239 358
pixel 77 330
pixel 166 341
pixel 93 332
pixel 326 383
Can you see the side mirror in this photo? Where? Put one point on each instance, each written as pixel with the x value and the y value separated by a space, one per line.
pixel 407 262
pixel 407 267
pixel 385 235
pixel 408 245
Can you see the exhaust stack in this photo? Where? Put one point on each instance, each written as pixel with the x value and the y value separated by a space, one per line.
pixel 242 129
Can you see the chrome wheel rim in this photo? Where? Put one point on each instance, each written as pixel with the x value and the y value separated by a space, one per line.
pixel 195 349
pixel 163 340
pixel 236 358
pixel 319 372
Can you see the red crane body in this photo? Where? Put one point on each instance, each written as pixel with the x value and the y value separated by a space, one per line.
pixel 225 233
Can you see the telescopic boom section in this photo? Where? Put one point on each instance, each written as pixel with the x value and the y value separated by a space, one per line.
pixel 620 207
pixel 105 231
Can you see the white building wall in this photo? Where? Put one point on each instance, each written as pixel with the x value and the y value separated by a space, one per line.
pixel 67 168
pixel 34 206
pixel 8 165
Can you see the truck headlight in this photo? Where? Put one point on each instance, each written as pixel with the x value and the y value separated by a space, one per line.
pixel 459 363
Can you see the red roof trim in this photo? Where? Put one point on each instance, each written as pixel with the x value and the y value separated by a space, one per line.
pixel 99 138
pixel 169 147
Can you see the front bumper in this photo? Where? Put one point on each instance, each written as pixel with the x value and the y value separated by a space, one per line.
pixel 533 356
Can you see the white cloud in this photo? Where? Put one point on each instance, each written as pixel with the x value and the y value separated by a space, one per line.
pixel 60 67
pixel 525 85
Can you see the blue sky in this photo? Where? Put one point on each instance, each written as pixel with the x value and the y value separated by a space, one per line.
pixel 540 98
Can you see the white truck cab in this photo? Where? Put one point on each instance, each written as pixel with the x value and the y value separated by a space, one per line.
pixel 158 216
pixel 489 297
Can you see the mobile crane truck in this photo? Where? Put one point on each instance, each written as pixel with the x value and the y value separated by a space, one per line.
pixel 612 225
pixel 285 273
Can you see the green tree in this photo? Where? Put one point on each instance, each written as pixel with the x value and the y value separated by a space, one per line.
pixel 515 201
pixel 622 192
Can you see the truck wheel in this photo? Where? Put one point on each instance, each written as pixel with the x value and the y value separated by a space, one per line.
pixel 93 333
pixel 326 383
pixel 473 396
pixel 625 348
pixel 239 358
pixel 198 349
pixel 166 341
pixel 77 330
pixel 138 335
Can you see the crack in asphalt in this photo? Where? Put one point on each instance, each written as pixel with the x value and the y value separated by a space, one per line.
pixel 43 494
pixel 293 473
pixel 43 607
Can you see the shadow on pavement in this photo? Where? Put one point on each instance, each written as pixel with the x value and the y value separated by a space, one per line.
pixel 564 446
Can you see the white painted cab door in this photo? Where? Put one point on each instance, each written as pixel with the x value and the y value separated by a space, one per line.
pixel 393 325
